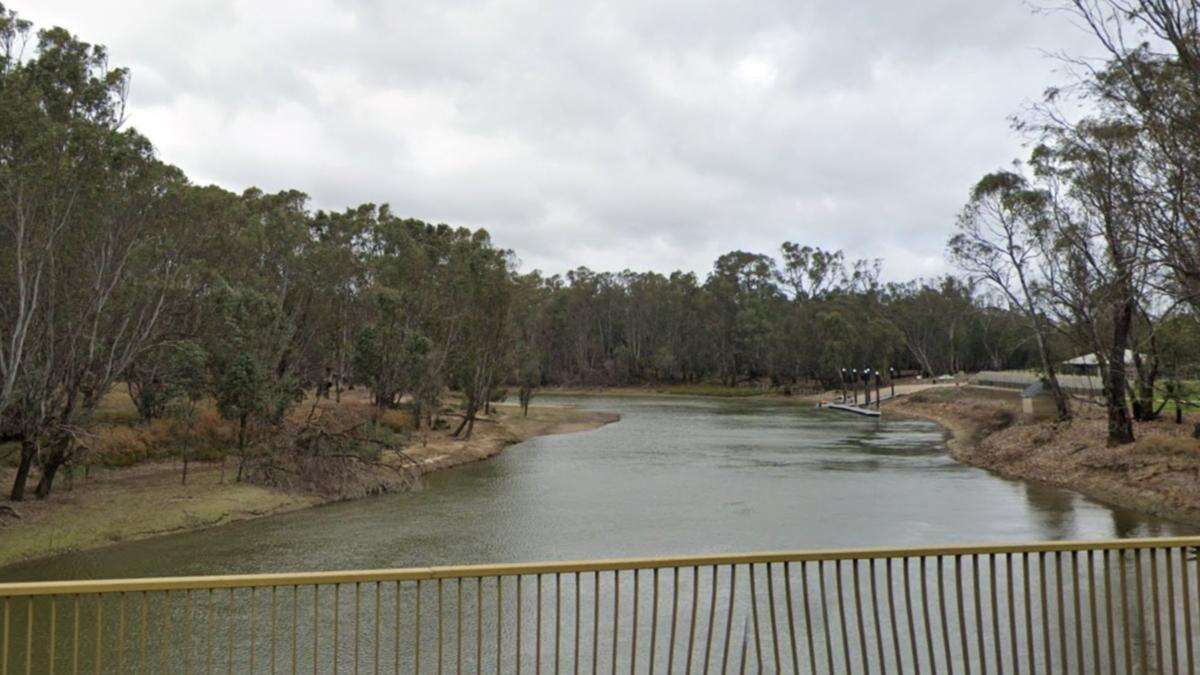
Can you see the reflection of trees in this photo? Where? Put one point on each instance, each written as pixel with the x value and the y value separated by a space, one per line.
pixel 1126 523
pixel 1133 524
pixel 1055 510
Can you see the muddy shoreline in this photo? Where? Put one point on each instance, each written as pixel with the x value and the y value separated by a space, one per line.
pixel 148 500
pixel 1159 475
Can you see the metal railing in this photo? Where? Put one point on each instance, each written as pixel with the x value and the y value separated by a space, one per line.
pixel 1097 607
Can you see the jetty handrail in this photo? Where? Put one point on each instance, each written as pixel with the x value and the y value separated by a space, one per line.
pixel 1066 606
pixel 167 583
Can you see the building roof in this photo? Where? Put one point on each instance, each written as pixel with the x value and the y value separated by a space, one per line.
pixel 1091 360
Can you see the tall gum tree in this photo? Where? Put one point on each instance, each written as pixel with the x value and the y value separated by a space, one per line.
pixel 1001 240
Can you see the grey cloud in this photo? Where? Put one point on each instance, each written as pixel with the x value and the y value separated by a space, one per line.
pixel 618 134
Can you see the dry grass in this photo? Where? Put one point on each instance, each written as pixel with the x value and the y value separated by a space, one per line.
pixel 133 490
pixel 134 503
pixel 1168 445
pixel 122 439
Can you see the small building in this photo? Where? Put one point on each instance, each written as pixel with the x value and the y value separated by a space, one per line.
pixel 1036 402
pixel 1088 365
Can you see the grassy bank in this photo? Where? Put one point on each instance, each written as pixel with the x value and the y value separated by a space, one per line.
pixel 1157 474
pixel 123 503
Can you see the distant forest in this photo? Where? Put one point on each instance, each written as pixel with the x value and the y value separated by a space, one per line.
pixel 117 271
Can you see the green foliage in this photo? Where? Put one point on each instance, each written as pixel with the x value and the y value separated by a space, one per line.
pixel 245 356
pixel 389 357
pixel 165 373
pixel 242 388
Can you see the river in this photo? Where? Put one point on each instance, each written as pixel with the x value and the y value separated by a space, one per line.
pixel 674 476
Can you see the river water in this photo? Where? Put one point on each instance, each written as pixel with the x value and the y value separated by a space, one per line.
pixel 674 476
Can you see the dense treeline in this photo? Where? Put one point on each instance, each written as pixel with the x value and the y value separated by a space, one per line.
pixel 788 323
pixel 116 271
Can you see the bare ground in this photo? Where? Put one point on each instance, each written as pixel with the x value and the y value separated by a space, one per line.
pixel 148 499
pixel 1159 474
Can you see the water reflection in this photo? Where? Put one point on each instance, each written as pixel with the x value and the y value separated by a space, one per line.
pixel 1054 508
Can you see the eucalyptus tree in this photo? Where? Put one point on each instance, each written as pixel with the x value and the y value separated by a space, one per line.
pixel 338 271
pixel 32 213
pixel 253 332
pixel 187 377
pixel 389 355
pixel 744 297
pixel 933 316
pixel 688 352
pixel 1001 239
pixel 96 249
pixel 1098 222
pixel 810 272
pixel 60 114
pixel 1152 82
pixel 998 338
pixel 482 287
pixel 412 259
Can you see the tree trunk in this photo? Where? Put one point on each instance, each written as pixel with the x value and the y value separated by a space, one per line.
pixel 1120 422
pixel 1147 377
pixel 467 417
pixel 1056 392
pixel 241 446
pixel 28 452
pixel 44 486
pixel 1030 308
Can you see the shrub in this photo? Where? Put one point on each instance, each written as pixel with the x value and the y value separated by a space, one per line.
pixel 120 446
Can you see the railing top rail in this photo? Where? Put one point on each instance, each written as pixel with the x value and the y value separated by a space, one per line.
pixel 512 569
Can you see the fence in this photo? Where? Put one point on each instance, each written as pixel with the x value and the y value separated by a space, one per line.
pixel 1098 607
pixel 1080 385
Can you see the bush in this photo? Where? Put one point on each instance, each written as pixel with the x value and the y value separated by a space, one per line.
pixel 121 446
pixel 126 445
pixel 398 421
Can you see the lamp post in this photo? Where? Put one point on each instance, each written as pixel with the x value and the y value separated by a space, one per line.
pixel 842 372
pixel 866 387
pixel 892 379
pixel 854 384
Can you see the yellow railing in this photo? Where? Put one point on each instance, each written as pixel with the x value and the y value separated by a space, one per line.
pixel 1103 606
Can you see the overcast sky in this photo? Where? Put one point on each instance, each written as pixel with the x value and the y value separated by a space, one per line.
pixel 632 134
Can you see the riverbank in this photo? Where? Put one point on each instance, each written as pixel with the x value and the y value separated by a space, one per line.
pixel 148 499
pixel 702 390
pixel 720 391
pixel 1158 475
